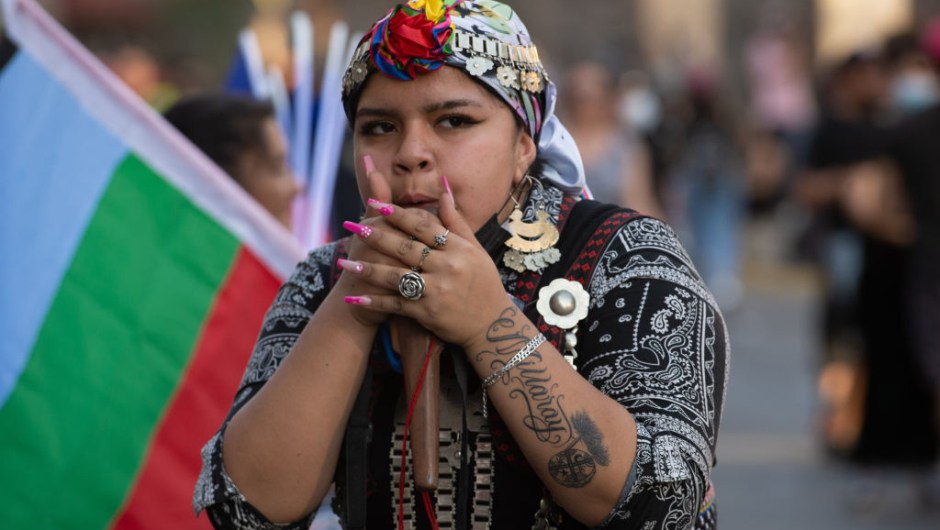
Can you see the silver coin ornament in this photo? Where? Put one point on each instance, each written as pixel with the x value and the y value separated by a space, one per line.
pixel 563 303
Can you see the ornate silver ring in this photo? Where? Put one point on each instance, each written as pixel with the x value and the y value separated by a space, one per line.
pixel 411 286
pixel 441 239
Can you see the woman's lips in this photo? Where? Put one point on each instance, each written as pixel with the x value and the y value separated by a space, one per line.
pixel 424 202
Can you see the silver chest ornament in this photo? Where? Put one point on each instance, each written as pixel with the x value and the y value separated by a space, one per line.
pixel 563 303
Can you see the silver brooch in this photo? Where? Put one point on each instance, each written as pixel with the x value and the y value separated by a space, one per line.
pixel 479 66
pixel 355 75
pixel 563 303
pixel 508 77
pixel 533 83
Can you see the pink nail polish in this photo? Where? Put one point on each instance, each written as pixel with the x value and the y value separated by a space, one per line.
pixel 382 207
pixel 447 186
pixel 368 163
pixel 349 265
pixel 362 231
pixel 357 300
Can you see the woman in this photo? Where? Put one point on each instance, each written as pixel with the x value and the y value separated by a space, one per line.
pixel 453 124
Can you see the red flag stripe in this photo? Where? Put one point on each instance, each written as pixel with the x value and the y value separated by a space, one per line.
pixel 162 494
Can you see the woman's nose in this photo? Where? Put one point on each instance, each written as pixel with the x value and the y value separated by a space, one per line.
pixel 415 152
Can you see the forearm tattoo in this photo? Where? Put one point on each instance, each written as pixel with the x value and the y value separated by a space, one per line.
pixel 504 338
pixel 579 441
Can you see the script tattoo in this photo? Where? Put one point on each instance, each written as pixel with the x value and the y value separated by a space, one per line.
pixel 505 339
pixel 581 441
pixel 545 415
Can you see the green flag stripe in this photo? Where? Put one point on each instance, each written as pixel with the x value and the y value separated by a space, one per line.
pixel 109 355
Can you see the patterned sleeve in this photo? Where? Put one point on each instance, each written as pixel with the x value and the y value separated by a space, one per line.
pixel 292 308
pixel 662 351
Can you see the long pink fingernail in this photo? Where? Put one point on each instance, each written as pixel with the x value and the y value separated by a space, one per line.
pixel 368 163
pixel 383 207
pixel 447 186
pixel 362 231
pixel 349 265
pixel 357 300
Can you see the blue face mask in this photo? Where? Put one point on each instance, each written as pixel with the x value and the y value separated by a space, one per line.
pixel 914 91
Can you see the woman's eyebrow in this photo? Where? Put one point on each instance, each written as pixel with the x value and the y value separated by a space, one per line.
pixel 449 105
pixel 374 112
pixel 430 108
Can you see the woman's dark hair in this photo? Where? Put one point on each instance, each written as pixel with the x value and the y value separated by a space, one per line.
pixel 223 126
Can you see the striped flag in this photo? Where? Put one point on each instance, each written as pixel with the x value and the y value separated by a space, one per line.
pixel 134 276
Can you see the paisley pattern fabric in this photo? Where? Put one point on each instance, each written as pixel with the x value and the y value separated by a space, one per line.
pixel 654 341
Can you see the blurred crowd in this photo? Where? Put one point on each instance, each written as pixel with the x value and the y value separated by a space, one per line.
pixel 844 157
pixel 870 180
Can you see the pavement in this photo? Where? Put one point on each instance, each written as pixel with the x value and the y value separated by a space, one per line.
pixel 772 472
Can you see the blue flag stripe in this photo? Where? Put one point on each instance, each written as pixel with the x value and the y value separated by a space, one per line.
pixel 55 162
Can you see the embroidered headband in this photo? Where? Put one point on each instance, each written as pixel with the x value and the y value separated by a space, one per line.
pixel 487 40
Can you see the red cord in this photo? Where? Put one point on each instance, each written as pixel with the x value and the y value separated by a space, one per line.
pixel 429 509
pixel 404 449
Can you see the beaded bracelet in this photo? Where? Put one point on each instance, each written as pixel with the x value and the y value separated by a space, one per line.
pixel 526 350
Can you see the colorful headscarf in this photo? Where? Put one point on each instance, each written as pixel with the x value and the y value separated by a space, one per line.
pixel 487 40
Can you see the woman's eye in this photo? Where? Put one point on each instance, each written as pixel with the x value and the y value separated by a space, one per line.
pixel 455 122
pixel 376 128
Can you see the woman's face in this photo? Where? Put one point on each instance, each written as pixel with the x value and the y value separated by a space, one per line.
pixel 441 124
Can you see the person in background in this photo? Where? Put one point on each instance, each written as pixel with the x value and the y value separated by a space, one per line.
pixel 913 84
pixel 781 110
pixel 708 178
pixel 915 150
pixel 858 199
pixel 848 133
pixel 617 163
pixel 242 136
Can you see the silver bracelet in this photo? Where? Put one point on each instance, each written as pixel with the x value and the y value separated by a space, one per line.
pixel 526 350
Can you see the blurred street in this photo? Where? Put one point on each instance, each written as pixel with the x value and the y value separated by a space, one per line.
pixel 772 472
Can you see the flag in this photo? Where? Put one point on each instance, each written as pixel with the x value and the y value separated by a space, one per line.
pixel 134 276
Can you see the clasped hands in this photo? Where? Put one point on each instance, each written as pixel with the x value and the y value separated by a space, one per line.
pixel 462 293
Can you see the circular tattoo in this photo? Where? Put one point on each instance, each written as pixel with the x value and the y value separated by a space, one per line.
pixel 572 468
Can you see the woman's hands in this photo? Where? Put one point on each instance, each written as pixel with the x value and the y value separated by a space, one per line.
pixel 462 288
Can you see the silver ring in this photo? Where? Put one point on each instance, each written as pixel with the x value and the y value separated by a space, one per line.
pixel 441 239
pixel 424 255
pixel 411 286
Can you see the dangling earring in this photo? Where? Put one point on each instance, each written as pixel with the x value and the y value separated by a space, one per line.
pixel 531 244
